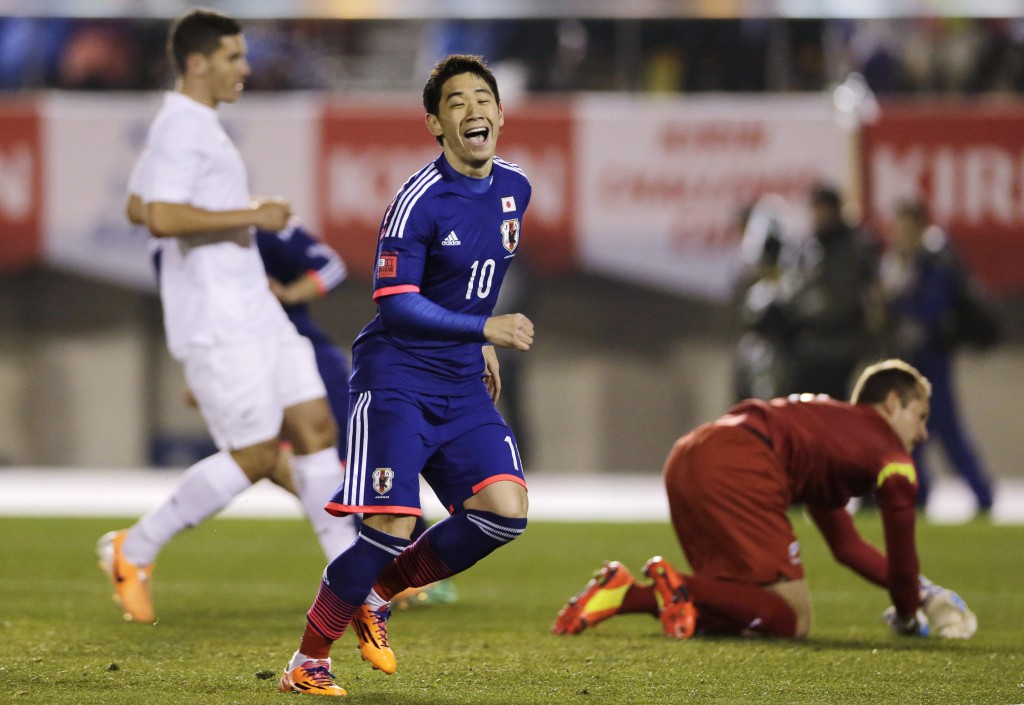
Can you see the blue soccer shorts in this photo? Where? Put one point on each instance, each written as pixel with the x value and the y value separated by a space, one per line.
pixel 459 444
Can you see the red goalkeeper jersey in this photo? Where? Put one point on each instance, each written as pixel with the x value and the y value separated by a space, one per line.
pixel 832 451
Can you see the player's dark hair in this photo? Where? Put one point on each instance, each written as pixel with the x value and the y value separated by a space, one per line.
pixel 199 30
pixel 453 65
pixel 879 379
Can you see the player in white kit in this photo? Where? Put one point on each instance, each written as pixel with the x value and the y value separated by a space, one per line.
pixel 254 377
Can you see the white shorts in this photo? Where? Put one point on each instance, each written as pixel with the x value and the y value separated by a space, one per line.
pixel 243 389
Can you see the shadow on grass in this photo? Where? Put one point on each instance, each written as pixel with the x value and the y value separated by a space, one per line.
pixel 922 645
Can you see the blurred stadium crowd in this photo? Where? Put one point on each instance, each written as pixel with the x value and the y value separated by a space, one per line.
pixel 897 56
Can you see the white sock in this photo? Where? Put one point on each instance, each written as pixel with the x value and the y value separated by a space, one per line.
pixel 317 477
pixel 204 490
pixel 299 658
pixel 375 601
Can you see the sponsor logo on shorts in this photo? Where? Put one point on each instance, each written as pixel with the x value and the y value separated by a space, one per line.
pixel 382 480
pixel 794 553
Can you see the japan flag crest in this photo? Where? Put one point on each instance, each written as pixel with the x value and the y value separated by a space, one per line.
pixel 510 234
pixel 382 480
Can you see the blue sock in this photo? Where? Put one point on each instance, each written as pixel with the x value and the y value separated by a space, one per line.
pixel 464 538
pixel 346 583
pixel 350 576
pixel 447 548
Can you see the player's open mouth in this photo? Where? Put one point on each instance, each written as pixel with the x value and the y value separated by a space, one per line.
pixel 477 136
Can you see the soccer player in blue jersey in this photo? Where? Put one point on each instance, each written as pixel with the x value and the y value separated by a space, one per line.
pixel 425 378
pixel 302 269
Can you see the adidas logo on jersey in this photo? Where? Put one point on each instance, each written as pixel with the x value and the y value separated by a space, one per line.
pixel 452 239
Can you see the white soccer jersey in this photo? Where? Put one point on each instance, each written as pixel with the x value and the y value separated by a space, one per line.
pixel 214 291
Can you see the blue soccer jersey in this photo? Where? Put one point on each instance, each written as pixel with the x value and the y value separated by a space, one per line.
pixel 288 255
pixel 292 253
pixel 451 243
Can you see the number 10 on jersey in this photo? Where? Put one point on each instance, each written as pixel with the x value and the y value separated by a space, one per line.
pixel 486 278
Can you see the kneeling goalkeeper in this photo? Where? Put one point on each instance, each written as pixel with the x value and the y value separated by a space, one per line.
pixel 730 484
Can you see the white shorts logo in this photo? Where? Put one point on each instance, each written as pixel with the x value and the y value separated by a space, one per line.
pixel 382 480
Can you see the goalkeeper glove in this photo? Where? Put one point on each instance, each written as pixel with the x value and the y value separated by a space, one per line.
pixel 943 613
pixel 914 626
pixel 947 612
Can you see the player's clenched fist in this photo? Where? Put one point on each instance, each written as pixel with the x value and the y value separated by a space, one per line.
pixel 271 213
pixel 512 330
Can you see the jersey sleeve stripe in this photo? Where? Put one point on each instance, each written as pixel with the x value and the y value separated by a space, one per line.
pixel 333 273
pixel 905 469
pixel 391 290
pixel 403 217
pixel 510 166
pixel 321 286
pixel 411 193
pixel 392 211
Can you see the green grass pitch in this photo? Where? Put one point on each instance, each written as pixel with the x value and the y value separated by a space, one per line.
pixel 232 595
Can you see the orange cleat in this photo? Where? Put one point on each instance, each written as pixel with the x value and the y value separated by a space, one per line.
pixel 599 600
pixel 372 630
pixel 131 582
pixel 678 614
pixel 313 677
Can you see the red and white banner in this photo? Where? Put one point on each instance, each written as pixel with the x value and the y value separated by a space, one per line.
pixel 640 189
pixel 967 162
pixel 368 151
pixel 661 182
pixel 91 145
pixel 21 169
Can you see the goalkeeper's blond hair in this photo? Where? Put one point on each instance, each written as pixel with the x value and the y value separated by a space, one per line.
pixel 893 375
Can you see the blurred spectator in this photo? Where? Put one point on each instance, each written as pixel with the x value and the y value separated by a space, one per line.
pixel 875 52
pixel 571 47
pixel 683 54
pixel 941 54
pixel 30 49
pixel 100 56
pixel 285 56
pixel 835 306
pixel 808 69
pixel 664 70
pixel 921 279
pixel 487 38
pixel 999 66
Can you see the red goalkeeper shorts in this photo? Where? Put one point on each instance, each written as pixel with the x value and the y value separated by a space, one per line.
pixel 729 499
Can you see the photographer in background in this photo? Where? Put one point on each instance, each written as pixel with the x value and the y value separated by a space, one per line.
pixel 834 304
